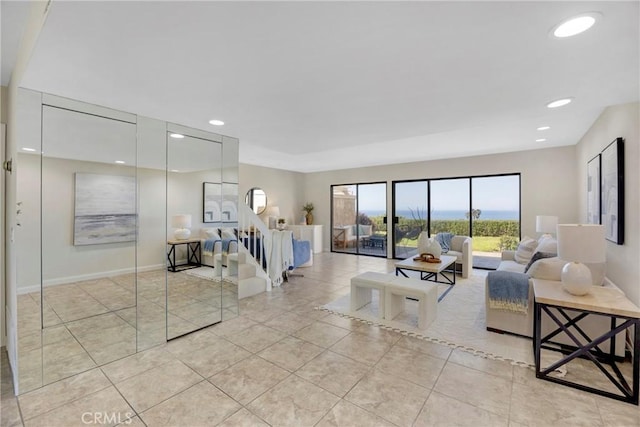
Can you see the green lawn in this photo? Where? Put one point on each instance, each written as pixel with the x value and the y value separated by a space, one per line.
pixel 486 244
pixel 481 243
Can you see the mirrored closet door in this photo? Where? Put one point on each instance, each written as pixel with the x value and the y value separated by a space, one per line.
pixel 116 216
pixel 89 214
pixel 195 251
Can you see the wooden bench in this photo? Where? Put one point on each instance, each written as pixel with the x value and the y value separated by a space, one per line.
pixel 393 291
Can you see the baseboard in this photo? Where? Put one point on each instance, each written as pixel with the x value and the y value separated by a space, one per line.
pixel 79 278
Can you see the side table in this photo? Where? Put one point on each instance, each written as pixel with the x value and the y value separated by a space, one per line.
pixel 194 255
pixel 600 301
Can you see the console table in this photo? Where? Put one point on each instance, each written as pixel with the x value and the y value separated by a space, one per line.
pixel 194 255
pixel 600 301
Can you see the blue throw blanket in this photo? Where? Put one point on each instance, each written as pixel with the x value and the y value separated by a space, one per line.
pixel 225 245
pixel 208 246
pixel 508 290
pixel 445 241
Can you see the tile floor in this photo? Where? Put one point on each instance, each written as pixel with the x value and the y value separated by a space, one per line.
pixel 93 322
pixel 283 363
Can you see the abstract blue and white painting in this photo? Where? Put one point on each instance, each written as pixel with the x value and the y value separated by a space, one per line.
pixel 105 209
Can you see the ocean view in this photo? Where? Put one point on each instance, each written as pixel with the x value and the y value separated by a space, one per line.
pixel 452 214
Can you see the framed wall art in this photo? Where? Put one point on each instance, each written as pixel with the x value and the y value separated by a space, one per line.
pixel 211 199
pixel 612 191
pixel 105 209
pixel 593 191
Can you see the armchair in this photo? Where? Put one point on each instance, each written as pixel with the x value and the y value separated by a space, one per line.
pixel 347 235
pixel 461 248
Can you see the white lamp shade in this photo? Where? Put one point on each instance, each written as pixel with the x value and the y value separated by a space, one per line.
pixel 546 223
pixel 181 221
pixel 582 243
pixel 273 211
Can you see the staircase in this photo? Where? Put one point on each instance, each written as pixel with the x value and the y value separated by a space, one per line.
pixel 250 266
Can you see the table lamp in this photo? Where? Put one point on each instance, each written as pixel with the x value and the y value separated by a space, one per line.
pixel 580 243
pixel 182 224
pixel 273 213
pixel 546 224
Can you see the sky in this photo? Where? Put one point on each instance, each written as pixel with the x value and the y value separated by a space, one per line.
pixel 489 193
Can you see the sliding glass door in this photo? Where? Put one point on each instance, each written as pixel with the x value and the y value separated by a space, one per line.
pixel 486 208
pixel 495 217
pixel 359 219
pixel 449 206
pixel 410 201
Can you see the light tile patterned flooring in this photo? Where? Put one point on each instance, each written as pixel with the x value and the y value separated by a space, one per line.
pixel 282 363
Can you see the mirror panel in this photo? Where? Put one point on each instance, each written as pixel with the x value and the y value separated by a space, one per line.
pixel 152 233
pixel 27 243
pixel 194 288
pixel 230 231
pixel 88 240
pixel 91 290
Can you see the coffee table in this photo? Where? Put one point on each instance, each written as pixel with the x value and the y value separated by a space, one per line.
pixel 430 271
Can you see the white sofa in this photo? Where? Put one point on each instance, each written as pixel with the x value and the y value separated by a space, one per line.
pixel 462 248
pixel 502 321
pixel 208 233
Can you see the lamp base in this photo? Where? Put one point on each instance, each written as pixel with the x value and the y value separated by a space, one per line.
pixel 576 278
pixel 182 233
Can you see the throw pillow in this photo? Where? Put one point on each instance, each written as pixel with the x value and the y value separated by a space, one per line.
pixel 549 245
pixel 228 234
pixel 537 256
pixel 211 232
pixel 525 250
pixel 547 269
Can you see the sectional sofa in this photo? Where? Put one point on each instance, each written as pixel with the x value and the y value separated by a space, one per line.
pixel 504 321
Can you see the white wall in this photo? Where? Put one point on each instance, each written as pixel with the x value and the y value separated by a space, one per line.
pixel 283 188
pixel 548 181
pixel 623 261
pixel 3 121
pixel 62 261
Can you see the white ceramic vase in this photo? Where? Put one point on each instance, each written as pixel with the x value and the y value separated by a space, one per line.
pixel 428 245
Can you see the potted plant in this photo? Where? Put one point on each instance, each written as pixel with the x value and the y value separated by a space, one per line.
pixel 308 208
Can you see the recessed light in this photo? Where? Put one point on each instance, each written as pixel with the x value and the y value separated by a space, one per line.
pixel 176 135
pixel 541 140
pixel 174 170
pixel 544 127
pixel 576 25
pixel 28 149
pixel 120 162
pixel 216 122
pixel 559 102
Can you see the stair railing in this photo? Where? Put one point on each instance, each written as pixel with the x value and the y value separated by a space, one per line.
pixel 252 233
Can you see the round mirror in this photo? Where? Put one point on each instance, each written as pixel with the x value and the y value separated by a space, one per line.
pixel 256 199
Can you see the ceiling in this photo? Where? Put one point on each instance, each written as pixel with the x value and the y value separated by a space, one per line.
pixel 313 86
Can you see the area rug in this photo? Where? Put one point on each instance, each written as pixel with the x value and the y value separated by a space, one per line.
pixel 204 273
pixel 460 323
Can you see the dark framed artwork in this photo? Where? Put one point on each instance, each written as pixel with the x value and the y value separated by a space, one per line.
pixel 612 190
pixel 593 191
pixel 211 199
